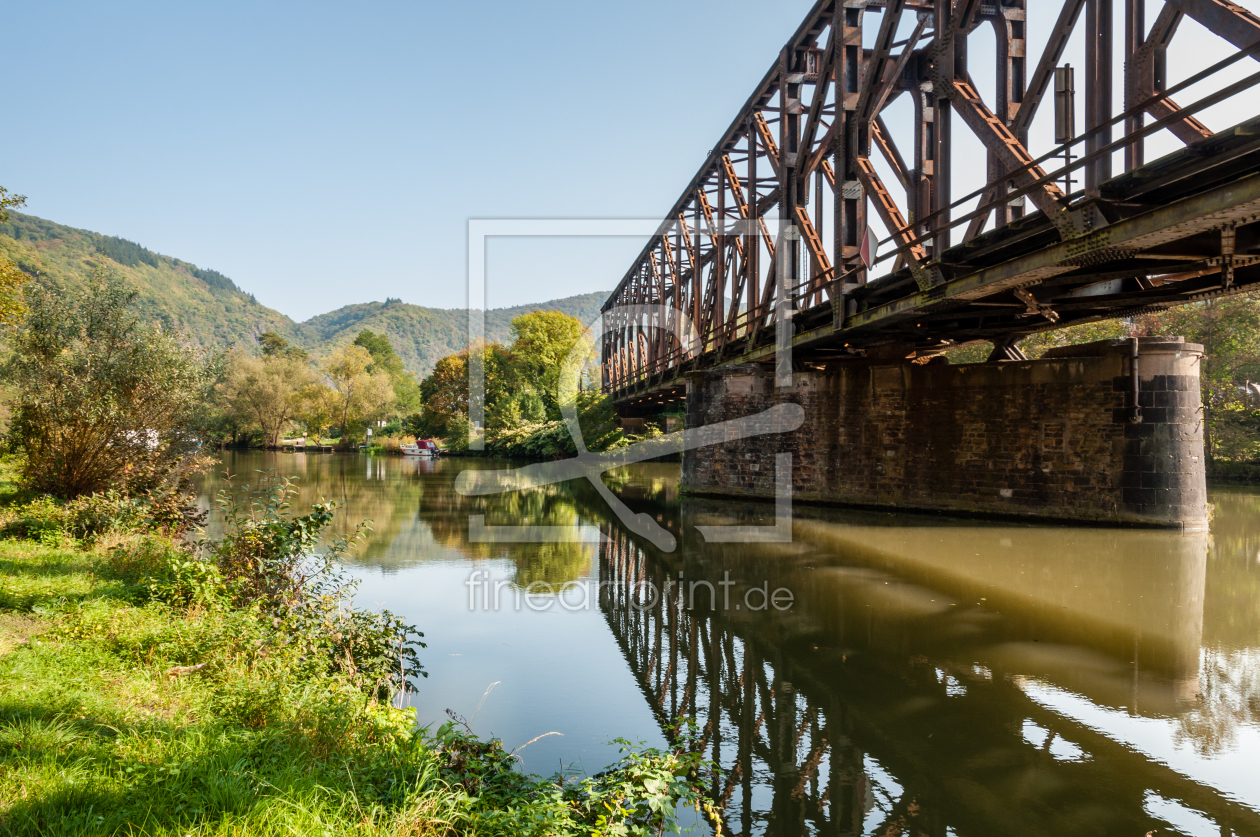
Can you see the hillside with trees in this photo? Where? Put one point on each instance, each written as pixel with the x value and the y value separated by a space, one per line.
pixel 423 335
pixel 214 313
pixel 204 304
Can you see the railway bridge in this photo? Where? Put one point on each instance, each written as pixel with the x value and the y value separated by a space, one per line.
pixel 822 255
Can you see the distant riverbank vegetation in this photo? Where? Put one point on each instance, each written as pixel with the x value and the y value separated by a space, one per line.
pixel 1229 330
pixel 154 681
pixel 524 390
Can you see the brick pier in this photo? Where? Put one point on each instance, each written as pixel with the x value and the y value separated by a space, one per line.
pixel 1049 438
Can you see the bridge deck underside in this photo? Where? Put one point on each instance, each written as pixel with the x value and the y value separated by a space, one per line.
pixel 1158 244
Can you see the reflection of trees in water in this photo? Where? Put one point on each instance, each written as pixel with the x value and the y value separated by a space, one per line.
pixel 1232 619
pixel 403 498
pixel 447 514
pixel 362 487
pixel 1229 678
pixel 1229 699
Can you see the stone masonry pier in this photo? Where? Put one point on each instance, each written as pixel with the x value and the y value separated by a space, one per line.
pixel 1052 438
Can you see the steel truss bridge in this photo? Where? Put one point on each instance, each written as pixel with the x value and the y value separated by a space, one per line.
pixel 770 230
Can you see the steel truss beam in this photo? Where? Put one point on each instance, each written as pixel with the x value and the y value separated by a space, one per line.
pixel 786 190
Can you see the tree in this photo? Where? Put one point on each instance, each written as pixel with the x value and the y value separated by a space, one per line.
pixel 273 345
pixel 266 391
pixel 317 408
pixel 385 359
pixel 11 281
pixel 8 201
pixel 444 394
pixel 11 276
pixel 358 395
pixel 103 400
pixel 541 341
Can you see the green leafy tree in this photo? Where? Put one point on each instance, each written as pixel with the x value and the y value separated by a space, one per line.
pixel 317 409
pixel 11 281
pixel 540 342
pixel 11 276
pixel 266 391
pixel 273 345
pixel 7 202
pixel 103 400
pixel 385 359
pixel 359 395
pixel 444 393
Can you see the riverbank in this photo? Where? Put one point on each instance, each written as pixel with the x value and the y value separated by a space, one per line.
pixel 130 704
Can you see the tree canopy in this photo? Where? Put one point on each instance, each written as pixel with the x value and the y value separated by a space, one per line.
pixel 386 360
pixel 358 394
pixel 266 391
pixel 11 276
pixel 103 399
pixel 273 345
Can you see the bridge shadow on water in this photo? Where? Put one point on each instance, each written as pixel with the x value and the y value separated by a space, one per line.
pixel 938 677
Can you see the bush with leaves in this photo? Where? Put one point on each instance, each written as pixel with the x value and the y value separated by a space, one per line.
pixel 269 557
pixel 639 795
pixel 103 399
pixel 552 440
pixel 42 519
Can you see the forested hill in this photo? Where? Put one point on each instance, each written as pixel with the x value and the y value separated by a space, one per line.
pixel 204 303
pixel 212 310
pixel 422 335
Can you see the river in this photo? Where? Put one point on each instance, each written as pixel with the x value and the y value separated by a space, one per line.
pixel 875 674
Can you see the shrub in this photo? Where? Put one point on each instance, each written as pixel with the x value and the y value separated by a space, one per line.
pixel 90 517
pixel 42 519
pixel 93 515
pixel 386 444
pixel 269 556
pixel 103 400
pixel 165 571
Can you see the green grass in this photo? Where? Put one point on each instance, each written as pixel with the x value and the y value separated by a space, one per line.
pixel 98 734
pixel 123 715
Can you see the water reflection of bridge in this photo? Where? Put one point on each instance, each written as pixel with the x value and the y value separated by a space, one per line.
pixel 891 700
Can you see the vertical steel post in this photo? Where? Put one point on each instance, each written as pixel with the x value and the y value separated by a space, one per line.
pixel 1009 25
pixel 697 281
pixel 789 140
pixel 950 54
pixel 1098 37
pixel 849 215
pixel 719 291
pixel 1134 35
pixel 754 240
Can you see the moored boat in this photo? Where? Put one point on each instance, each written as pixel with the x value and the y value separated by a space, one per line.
pixel 421 447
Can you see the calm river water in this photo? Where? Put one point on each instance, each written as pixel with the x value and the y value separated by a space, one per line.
pixel 878 674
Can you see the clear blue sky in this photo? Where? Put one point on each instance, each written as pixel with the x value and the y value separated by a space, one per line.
pixel 324 154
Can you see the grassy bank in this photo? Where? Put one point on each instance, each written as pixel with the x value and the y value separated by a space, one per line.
pixel 131 703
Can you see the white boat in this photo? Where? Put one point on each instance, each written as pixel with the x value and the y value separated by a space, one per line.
pixel 421 447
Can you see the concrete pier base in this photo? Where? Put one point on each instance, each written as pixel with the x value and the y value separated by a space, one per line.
pixel 1050 438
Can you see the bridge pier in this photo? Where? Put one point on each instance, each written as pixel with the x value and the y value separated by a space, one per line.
pixel 1051 438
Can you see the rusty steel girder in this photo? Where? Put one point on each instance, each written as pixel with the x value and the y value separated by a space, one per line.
pixel 773 224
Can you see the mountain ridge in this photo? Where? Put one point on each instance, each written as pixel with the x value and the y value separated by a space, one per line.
pixel 212 310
